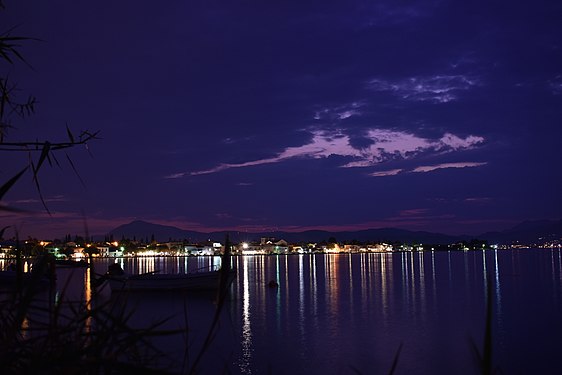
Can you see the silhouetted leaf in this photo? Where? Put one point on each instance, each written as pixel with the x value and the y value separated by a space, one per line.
pixel 36 180
pixel 44 154
pixel 70 136
pixel 11 209
pixel 54 158
pixel 9 44
pixel 8 185
pixel 74 169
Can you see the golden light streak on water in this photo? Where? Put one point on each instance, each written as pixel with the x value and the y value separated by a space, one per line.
pixel 25 329
pixel 88 299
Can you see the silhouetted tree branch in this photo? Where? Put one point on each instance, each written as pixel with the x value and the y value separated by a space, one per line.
pixel 38 151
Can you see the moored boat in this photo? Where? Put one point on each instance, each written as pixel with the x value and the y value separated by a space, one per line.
pixel 154 281
pixel 71 263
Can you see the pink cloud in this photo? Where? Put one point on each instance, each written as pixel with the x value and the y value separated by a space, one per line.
pixel 430 168
pixel 391 172
pixel 451 141
pixel 386 145
pixel 437 89
pixel 340 112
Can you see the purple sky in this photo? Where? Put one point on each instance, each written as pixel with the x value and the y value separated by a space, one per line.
pixel 443 116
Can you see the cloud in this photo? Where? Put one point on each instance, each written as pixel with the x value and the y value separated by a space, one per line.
pixel 229 140
pixel 451 141
pixel 431 168
pixel 384 145
pixel 323 144
pixel 436 89
pixel 56 198
pixel 340 112
pixel 428 168
pixel 391 172
pixel 478 200
pixel 389 145
pixel 413 212
pixel 176 175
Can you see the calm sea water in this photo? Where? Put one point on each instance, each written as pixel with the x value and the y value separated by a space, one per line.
pixel 348 314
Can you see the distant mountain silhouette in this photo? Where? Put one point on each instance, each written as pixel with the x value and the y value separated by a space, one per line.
pixel 526 232
pixel 142 230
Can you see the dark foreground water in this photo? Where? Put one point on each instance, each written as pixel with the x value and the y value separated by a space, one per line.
pixel 348 314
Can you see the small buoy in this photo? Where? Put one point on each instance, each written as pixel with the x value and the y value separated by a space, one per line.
pixel 273 284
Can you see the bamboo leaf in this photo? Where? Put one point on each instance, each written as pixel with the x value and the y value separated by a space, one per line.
pixel 41 195
pixel 70 136
pixel 8 185
pixel 54 157
pixel 74 169
pixel 11 209
pixel 44 154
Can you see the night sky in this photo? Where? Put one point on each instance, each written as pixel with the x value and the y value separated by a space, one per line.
pixel 443 116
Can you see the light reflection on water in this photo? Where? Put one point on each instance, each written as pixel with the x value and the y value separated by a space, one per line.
pixel 497 285
pixel 432 302
pixel 246 323
pixel 334 312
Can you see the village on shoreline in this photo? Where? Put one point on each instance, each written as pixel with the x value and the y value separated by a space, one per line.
pixel 79 247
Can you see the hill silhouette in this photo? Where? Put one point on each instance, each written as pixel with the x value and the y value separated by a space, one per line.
pixel 526 232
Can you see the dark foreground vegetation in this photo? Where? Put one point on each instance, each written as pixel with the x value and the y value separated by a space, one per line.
pixel 54 335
